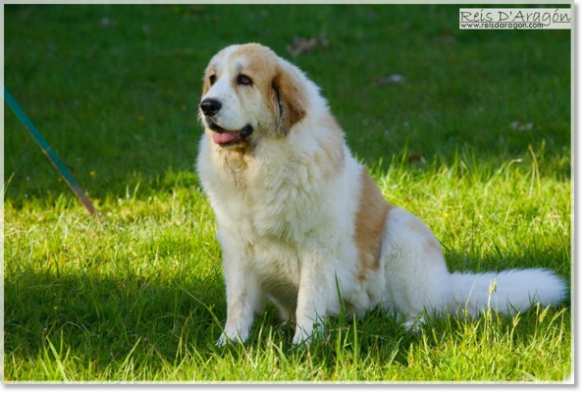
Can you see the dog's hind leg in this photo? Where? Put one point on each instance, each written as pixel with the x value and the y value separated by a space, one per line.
pixel 417 279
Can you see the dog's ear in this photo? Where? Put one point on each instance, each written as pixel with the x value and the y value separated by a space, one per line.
pixel 288 97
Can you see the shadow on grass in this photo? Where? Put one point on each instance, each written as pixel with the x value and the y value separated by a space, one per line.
pixel 101 321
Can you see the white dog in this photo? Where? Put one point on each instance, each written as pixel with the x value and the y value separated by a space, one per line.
pixel 301 222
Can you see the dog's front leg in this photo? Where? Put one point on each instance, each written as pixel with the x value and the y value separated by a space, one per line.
pixel 311 300
pixel 244 297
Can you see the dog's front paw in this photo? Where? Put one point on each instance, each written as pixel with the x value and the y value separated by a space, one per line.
pixel 229 337
pixel 222 341
pixel 304 336
pixel 413 325
pixel 301 337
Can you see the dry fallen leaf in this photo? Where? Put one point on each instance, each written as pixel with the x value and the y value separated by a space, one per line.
pixel 301 45
pixel 446 37
pixel 396 79
pixel 416 158
pixel 519 126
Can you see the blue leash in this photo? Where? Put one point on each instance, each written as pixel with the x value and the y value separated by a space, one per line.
pixel 47 150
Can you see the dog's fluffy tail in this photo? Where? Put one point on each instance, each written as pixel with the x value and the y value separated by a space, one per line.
pixel 508 291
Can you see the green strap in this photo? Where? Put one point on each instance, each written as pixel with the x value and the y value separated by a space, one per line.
pixel 46 148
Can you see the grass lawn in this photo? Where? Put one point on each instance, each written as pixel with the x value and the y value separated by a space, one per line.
pixel 138 295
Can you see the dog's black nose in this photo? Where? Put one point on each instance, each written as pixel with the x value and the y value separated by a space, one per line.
pixel 210 107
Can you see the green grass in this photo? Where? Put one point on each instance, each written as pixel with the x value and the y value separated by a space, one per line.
pixel 138 295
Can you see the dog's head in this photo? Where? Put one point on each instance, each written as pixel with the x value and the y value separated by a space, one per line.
pixel 249 94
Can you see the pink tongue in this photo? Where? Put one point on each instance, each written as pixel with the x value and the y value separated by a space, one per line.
pixel 226 137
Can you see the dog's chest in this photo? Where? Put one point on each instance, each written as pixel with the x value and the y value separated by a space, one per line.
pixel 276 217
pixel 284 206
pixel 275 213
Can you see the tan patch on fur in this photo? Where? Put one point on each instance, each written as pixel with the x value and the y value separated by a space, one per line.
pixel 292 98
pixel 257 59
pixel 369 225
pixel 277 80
pixel 432 246
pixel 206 82
pixel 258 62
pixel 416 225
pixel 233 162
pixel 430 243
pixel 331 153
pixel 332 147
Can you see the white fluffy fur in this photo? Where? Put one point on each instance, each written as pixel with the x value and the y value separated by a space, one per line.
pixel 287 226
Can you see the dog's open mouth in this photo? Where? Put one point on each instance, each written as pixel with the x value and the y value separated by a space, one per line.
pixel 226 138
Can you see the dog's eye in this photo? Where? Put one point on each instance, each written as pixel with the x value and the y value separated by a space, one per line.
pixel 244 80
pixel 212 79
